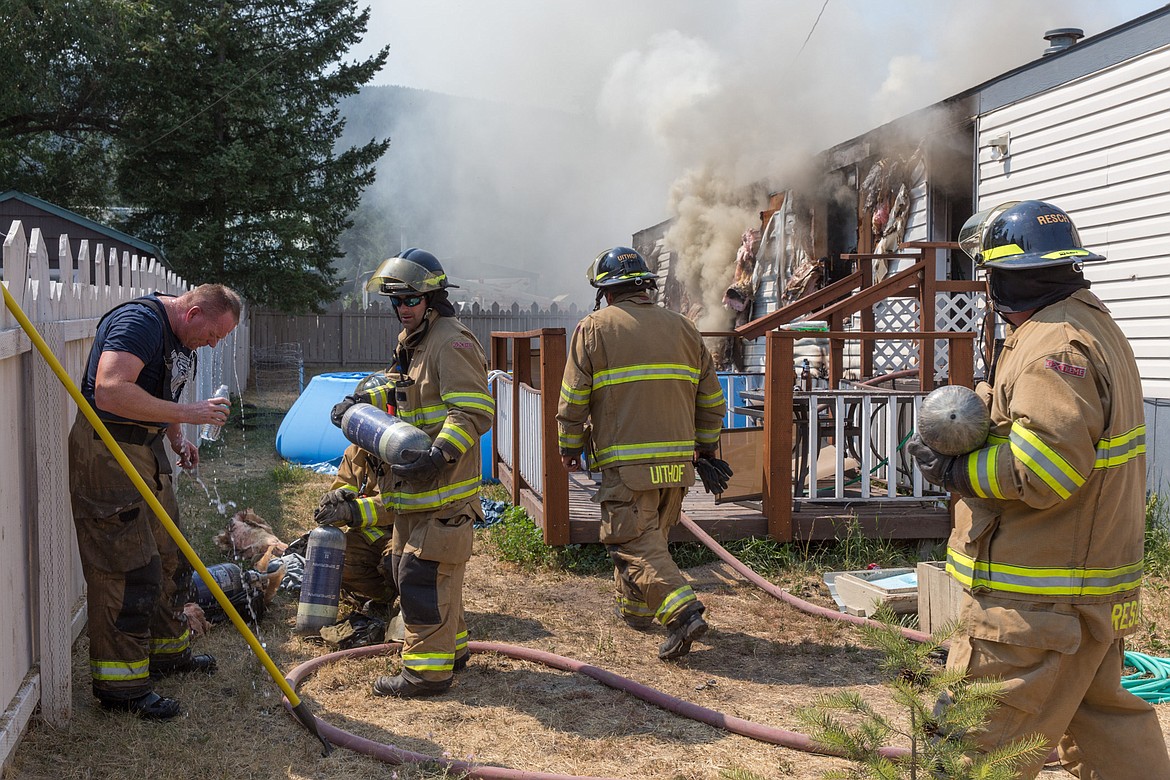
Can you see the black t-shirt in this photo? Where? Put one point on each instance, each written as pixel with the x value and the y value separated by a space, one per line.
pixel 137 328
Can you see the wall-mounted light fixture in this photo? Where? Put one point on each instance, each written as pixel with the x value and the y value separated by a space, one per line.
pixel 1000 146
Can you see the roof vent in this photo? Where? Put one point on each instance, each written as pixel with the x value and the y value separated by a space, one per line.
pixel 1062 38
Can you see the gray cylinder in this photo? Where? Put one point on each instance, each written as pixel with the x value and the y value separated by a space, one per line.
pixel 953 420
pixel 381 433
pixel 321 588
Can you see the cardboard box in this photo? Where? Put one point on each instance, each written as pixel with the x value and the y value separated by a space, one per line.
pixel 940 596
pixel 865 592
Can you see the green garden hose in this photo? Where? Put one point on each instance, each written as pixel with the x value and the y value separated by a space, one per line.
pixel 1151 681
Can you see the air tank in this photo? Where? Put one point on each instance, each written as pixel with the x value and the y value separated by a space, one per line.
pixel 953 420
pixel 382 434
pixel 321 588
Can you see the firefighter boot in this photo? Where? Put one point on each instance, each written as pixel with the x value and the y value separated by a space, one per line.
pixel 686 629
pixel 204 663
pixel 404 688
pixel 148 706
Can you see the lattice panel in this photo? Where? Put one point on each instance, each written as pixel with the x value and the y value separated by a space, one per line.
pixel 895 314
pixel 962 312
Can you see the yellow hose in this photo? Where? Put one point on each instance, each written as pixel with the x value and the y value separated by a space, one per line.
pixel 160 512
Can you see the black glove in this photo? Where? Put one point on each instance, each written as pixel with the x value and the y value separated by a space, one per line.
pixel 342 406
pixel 938 468
pixel 420 465
pixel 713 472
pixel 336 508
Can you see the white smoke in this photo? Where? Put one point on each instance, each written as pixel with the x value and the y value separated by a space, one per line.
pixel 668 108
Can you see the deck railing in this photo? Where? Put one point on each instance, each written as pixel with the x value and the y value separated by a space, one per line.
pixel 525 455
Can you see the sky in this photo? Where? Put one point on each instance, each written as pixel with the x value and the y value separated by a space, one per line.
pixel 676 105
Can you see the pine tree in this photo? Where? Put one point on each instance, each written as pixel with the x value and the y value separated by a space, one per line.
pixel 844 723
pixel 227 155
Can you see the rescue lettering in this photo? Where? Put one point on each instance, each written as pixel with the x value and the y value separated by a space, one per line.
pixel 461 344
pixel 668 472
pixel 1064 368
pixel 1052 219
pixel 1126 615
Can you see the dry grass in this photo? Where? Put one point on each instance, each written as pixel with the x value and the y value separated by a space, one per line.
pixel 761 661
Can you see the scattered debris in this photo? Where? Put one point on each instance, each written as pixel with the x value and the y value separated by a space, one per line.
pixel 248 537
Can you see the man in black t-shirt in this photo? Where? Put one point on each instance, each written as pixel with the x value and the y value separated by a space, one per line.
pixel 137 579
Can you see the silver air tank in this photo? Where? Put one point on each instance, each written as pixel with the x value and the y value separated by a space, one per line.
pixel 382 434
pixel 321 588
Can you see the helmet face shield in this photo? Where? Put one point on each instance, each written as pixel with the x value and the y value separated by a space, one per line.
pixel 971 234
pixel 414 270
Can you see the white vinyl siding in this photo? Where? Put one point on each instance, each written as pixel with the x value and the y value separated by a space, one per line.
pixel 1099 147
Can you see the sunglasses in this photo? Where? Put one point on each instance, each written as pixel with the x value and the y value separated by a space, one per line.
pixel 405 300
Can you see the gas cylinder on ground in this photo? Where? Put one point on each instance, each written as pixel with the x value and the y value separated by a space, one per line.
pixel 242 588
pixel 321 587
pixel 382 434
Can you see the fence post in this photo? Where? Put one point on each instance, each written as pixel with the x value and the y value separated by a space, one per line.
pixel 556 480
pixel 46 411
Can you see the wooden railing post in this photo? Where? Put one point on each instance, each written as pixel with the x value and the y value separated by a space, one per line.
pixel 777 458
pixel 555 487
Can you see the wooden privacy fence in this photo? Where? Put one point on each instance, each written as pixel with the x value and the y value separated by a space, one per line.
pixel 43 609
pixel 353 336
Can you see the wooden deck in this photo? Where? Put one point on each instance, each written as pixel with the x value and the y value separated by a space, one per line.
pixel 811 521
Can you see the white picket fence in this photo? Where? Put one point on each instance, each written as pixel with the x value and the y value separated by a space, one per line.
pixel 43 609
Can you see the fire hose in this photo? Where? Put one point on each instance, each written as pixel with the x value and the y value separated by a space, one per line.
pixel 746 728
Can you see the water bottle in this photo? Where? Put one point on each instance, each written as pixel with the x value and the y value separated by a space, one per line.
pixel 207 431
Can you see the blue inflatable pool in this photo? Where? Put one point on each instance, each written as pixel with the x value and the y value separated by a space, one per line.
pixel 307 437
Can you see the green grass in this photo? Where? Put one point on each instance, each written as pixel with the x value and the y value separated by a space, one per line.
pixel 517 539
pixel 1157 536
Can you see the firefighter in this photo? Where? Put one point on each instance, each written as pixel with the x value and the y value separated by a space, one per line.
pixel 1048 536
pixel 434 494
pixel 643 377
pixel 136 578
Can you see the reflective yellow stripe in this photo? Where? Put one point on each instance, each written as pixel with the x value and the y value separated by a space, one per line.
pixel 1119 450
pixel 709 400
pixel 652 450
pixel 478 401
pixel 646 372
pixel 426 415
pixel 431 499
pixel 707 435
pixel 1043 461
pixel 981 467
pixel 573 396
pixel 634 607
pixel 1001 251
pixel 458 437
pixel 368 510
pixel 1044 581
pixel 674 603
pixel 570 441
pixel 118 671
pixel 373 534
pixel 173 645
pixel 460 641
pixel 429 662
pixel 379 396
